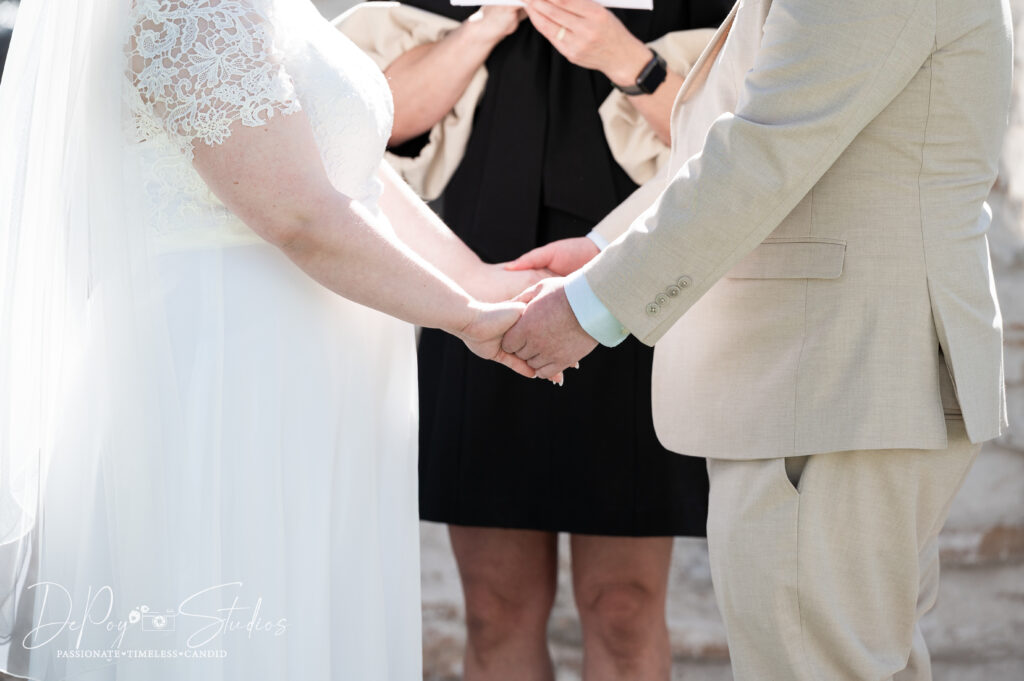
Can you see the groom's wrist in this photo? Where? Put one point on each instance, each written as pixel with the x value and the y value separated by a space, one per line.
pixel 598 240
pixel 599 323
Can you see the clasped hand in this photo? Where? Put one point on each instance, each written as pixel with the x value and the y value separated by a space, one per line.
pixel 546 338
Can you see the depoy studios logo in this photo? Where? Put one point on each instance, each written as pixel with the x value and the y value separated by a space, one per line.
pixel 90 623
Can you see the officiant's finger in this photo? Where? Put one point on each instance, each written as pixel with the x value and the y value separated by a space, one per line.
pixel 555 33
pixel 572 21
pixel 584 8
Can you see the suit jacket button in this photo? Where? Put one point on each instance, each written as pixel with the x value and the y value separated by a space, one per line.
pixel 684 281
pixel 673 291
pixel 653 309
pixel 661 299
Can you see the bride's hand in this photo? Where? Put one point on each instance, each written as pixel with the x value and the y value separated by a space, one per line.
pixel 495 283
pixel 484 333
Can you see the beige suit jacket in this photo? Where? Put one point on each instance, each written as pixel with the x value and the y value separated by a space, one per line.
pixel 818 254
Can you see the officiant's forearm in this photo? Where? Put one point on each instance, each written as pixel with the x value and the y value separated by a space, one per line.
pixel 428 80
pixel 656 108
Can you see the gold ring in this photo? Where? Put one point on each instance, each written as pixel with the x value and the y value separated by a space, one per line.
pixel 561 34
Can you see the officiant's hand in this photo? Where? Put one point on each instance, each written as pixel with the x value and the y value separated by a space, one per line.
pixel 495 22
pixel 593 37
pixel 547 337
pixel 563 257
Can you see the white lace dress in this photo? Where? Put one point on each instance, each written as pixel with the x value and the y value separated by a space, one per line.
pixel 284 544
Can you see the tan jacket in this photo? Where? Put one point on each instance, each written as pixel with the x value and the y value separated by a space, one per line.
pixel 821 246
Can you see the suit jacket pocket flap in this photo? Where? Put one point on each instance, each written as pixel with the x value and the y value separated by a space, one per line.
pixel 793 258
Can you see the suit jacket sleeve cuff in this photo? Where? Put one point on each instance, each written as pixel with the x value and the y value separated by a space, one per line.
pixel 591 313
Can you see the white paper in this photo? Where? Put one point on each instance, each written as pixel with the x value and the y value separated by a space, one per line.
pixel 626 4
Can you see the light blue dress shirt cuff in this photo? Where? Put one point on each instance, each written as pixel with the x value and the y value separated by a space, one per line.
pixel 591 313
pixel 601 242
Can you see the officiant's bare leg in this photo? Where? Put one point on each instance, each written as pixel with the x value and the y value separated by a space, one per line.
pixel 620 585
pixel 508 580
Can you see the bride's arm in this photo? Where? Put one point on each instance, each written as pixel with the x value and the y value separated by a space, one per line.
pixel 421 229
pixel 272 178
pixel 211 76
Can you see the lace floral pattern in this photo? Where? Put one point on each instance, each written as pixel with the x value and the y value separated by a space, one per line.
pixel 197 66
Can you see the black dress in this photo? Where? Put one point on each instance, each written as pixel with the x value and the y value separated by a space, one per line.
pixel 498 450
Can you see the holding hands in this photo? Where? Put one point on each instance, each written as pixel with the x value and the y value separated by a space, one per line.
pixel 492 318
pixel 483 334
pixel 544 338
pixel 548 338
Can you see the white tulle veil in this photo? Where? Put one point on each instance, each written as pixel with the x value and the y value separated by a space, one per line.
pixel 133 454
pixel 74 310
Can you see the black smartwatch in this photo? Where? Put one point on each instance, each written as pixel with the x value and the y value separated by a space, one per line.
pixel 651 76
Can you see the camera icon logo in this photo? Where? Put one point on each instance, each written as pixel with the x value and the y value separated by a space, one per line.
pixel 158 622
pixel 152 621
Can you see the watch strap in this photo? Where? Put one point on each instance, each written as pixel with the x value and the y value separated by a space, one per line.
pixel 651 76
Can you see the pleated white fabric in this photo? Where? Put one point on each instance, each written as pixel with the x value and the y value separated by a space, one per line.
pixel 208 459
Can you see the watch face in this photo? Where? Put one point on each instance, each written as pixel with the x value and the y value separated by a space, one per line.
pixel 654 78
pixel 653 75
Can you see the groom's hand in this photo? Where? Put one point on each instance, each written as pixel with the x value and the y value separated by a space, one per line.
pixel 548 337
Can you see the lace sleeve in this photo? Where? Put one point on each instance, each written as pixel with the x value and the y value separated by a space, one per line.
pixel 197 66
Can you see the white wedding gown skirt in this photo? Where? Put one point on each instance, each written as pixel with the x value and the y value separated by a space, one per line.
pixel 230 491
pixel 274 524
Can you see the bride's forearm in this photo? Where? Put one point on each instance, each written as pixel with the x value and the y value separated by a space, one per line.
pixel 341 247
pixel 424 232
pixel 272 178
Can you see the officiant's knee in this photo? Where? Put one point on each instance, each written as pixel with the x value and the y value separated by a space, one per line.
pixel 621 615
pixel 497 611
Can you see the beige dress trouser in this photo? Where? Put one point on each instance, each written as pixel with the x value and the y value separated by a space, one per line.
pixel 823 565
